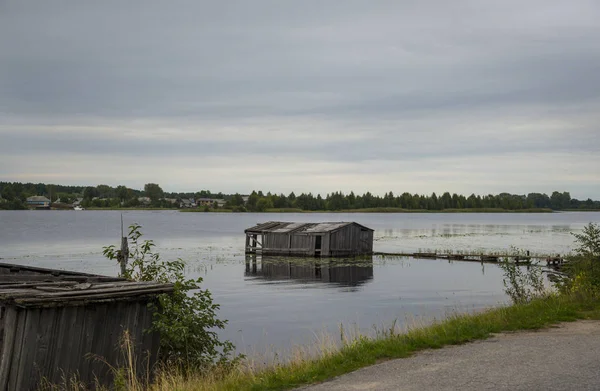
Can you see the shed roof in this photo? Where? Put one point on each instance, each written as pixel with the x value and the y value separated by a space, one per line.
pixel 67 293
pixel 35 287
pixel 38 199
pixel 282 227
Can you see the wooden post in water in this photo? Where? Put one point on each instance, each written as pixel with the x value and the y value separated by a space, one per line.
pixel 251 261
pixel 123 256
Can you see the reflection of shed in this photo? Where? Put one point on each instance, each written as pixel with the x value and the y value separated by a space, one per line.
pixel 309 239
pixel 345 274
pixel 57 324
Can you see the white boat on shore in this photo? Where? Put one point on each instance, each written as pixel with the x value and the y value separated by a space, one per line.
pixel 78 208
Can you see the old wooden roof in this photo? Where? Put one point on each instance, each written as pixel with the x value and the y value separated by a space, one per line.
pixel 25 286
pixel 282 227
pixel 68 293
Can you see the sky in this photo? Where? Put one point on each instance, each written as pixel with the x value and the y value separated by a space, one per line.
pixel 306 96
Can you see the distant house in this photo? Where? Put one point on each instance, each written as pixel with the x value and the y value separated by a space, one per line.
pixel 144 200
pixel 245 199
pixel 38 202
pixel 205 201
pixel 211 202
pixel 172 201
pixel 187 203
pixel 78 201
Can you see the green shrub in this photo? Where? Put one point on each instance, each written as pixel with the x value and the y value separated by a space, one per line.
pixel 186 319
pixel 522 284
pixel 582 271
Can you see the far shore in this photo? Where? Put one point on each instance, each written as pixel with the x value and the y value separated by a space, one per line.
pixel 383 210
pixel 362 210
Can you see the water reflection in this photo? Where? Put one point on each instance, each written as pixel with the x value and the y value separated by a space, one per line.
pixel 337 272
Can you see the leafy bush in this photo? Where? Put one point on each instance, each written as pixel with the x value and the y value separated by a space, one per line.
pixel 522 284
pixel 582 272
pixel 589 242
pixel 185 319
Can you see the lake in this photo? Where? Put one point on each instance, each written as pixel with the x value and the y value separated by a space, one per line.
pixel 278 303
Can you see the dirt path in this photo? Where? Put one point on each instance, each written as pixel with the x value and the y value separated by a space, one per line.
pixel 562 358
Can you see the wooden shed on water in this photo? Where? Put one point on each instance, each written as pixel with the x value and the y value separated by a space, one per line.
pixel 340 239
pixel 56 324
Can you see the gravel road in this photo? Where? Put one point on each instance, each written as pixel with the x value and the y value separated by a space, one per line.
pixel 566 357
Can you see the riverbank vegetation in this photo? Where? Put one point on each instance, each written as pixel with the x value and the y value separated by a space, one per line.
pixel 576 295
pixel 185 319
pixel 352 353
pixel 13 195
pixel 390 343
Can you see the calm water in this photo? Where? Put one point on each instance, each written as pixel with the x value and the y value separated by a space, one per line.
pixel 279 302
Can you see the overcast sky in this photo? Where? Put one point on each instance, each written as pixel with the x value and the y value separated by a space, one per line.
pixel 419 96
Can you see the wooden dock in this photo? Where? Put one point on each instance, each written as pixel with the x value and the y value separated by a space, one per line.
pixel 554 261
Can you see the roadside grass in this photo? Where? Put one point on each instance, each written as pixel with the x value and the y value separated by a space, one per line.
pixel 392 343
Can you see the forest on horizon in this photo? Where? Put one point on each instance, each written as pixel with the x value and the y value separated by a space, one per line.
pixel 13 195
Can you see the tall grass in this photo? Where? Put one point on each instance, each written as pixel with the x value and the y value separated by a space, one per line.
pixel 328 358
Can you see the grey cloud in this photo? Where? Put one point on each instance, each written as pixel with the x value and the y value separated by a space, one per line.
pixel 403 78
pixel 392 145
pixel 153 59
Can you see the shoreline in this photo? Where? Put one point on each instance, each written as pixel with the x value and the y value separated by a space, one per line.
pixel 390 343
pixel 363 210
pixel 384 210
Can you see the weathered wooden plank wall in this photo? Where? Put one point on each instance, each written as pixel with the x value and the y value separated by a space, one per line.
pixel 349 240
pixel 57 342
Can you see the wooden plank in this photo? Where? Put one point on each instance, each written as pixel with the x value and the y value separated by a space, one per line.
pixel 44 357
pixel 14 268
pixel 15 366
pixel 60 349
pixel 102 318
pixel 50 278
pixel 23 285
pixel 10 324
pixel 28 375
pixel 69 359
pixel 22 297
pixel 89 329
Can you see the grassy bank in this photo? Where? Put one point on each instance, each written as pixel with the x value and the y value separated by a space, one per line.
pixel 390 344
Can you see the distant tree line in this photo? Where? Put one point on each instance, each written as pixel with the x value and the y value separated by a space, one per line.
pixel 13 195
pixel 336 201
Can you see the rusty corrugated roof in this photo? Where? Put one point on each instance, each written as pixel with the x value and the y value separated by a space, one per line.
pixel 287 227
